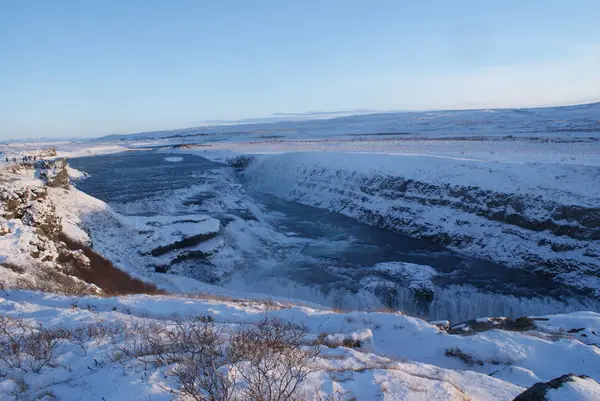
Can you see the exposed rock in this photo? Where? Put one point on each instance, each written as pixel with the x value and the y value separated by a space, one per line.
pixel 240 162
pixel 385 291
pixel 161 269
pixel 417 277
pixel 173 239
pixel 54 172
pixel 538 392
pixel 42 215
pixel 73 261
pixel 183 243
pixel 4 228
pixel 501 323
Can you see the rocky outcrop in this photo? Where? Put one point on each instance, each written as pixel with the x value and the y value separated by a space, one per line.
pixel 186 242
pixel 170 240
pixel 495 323
pixel 54 172
pixel 240 162
pixel 34 247
pixel 14 200
pixel 539 391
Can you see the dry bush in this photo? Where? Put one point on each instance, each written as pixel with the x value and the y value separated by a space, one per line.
pixel 336 396
pixel 27 348
pixel 204 379
pixel 271 359
pixel 201 373
pixel 161 343
pixel 266 362
pixel 195 345
pixel 142 342
pixel 48 279
pixel 463 356
pixel 98 332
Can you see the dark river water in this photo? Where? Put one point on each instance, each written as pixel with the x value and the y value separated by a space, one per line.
pixel 289 249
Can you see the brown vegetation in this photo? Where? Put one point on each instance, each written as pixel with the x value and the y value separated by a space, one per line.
pixel 105 275
pixel 463 356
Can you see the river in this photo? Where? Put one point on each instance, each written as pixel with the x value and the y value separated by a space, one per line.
pixel 288 249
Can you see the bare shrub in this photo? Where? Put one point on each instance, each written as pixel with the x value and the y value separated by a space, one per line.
pixel 27 348
pixel 192 339
pixel 98 332
pixel 271 359
pixel 143 343
pixel 195 345
pixel 463 356
pixel 201 373
pixel 266 362
pixel 205 378
pixel 161 343
pixel 336 396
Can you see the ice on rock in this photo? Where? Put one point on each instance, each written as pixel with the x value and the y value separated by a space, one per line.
pixel 418 276
pixel 168 233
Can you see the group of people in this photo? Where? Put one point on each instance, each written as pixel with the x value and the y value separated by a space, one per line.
pixel 24 159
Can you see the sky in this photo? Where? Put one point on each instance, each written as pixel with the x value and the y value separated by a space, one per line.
pixel 89 68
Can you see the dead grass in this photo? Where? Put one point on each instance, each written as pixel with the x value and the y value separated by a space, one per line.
pixel 463 356
pixel 105 275
pixel 47 279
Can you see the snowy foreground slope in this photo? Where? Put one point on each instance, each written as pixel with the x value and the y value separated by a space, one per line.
pixel 101 354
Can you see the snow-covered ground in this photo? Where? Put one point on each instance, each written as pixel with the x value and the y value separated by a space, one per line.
pixel 387 356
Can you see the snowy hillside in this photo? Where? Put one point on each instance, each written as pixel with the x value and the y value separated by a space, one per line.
pixel 131 348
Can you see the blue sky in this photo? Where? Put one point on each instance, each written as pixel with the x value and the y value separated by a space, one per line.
pixel 88 68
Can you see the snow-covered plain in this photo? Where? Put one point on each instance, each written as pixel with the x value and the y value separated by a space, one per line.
pixel 518 187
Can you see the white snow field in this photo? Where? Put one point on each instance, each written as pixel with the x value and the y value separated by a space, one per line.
pixel 519 188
